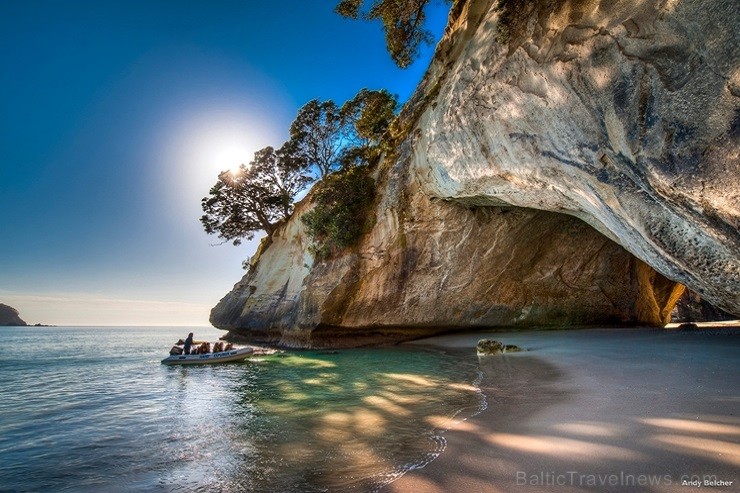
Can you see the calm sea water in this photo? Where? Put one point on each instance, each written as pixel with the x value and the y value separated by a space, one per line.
pixel 92 409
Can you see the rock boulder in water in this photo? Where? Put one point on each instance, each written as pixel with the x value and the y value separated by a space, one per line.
pixel 488 346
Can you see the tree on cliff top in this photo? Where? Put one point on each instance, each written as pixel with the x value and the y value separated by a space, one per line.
pixel 324 138
pixel 339 215
pixel 330 138
pixel 371 113
pixel 403 23
pixel 318 135
pixel 256 197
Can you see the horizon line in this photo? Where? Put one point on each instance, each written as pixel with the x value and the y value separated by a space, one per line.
pixel 104 326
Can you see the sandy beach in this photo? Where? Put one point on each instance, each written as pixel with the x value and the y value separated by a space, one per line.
pixel 596 410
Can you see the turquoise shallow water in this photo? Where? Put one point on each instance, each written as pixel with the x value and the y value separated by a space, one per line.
pixel 92 409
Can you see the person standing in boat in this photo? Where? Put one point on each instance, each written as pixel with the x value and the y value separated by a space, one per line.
pixel 188 343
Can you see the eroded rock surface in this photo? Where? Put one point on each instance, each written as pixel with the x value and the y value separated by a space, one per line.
pixel 692 308
pixel 621 114
pixel 430 266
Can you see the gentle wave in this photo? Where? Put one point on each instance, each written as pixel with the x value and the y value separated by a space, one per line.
pixel 99 413
pixel 437 437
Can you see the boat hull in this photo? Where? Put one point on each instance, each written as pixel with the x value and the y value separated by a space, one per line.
pixel 203 359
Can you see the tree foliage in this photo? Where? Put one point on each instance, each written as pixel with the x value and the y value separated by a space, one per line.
pixel 403 24
pixel 317 135
pixel 256 197
pixel 329 138
pixel 370 113
pixel 325 140
pixel 339 214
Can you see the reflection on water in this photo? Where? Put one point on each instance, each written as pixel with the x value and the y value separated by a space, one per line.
pixel 96 417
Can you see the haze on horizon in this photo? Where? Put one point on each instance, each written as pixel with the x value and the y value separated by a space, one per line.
pixel 116 119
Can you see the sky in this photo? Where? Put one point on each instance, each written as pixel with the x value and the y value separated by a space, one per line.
pixel 115 119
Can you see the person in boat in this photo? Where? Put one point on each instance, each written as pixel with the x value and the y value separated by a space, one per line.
pixel 188 343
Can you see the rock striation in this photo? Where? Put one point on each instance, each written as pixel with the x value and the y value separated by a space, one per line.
pixel 429 266
pixel 623 113
pixel 9 317
pixel 568 170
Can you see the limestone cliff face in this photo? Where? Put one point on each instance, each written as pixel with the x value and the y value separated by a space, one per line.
pixel 622 114
pixel 429 266
pixel 9 317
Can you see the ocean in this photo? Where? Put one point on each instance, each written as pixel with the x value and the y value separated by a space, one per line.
pixel 91 409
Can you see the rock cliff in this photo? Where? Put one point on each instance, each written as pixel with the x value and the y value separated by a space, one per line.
pixel 692 308
pixel 9 317
pixel 429 266
pixel 621 115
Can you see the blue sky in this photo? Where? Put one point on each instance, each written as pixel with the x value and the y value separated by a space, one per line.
pixel 115 118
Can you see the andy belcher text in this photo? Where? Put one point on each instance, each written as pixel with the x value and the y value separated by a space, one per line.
pixel 575 478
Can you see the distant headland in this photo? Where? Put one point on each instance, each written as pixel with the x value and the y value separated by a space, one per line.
pixel 9 317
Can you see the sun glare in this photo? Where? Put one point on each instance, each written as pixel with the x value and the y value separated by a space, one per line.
pixel 230 157
pixel 203 144
pixel 212 147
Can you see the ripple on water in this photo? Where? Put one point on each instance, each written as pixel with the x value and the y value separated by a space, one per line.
pixel 102 414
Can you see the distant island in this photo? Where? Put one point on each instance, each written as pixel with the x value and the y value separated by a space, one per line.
pixel 9 317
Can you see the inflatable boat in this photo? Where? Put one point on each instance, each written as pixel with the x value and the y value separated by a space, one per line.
pixel 202 359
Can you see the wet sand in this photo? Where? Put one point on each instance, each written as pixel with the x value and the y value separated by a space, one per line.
pixel 608 410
